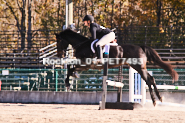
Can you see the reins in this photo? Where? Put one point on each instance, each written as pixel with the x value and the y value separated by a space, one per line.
pixel 78 45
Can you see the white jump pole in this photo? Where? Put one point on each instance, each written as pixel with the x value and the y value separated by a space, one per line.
pixel 131 84
pixel 115 84
pixel 169 87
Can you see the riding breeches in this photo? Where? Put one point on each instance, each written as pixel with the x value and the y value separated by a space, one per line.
pixel 106 39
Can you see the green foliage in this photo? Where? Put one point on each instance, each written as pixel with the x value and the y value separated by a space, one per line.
pixel 50 15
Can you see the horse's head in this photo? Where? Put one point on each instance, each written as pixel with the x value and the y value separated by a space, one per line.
pixel 61 46
pixel 67 37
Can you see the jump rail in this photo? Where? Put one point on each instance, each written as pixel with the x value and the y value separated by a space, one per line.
pixel 169 87
pixel 115 84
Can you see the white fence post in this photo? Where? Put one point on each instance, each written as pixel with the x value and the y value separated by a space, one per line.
pixel 131 84
pixel 132 96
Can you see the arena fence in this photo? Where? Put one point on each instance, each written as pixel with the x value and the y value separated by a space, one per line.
pixel 91 80
pixel 165 37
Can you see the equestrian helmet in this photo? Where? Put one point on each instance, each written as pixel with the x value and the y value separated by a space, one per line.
pixel 88 17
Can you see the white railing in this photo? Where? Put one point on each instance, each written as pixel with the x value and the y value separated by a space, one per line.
pixel 47 46
pixel 48 51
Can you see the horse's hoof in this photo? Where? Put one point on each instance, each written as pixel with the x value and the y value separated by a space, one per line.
pixel 68 89
pixel 161 99
pixel 67 85
pixel 76 75
pixel 154 103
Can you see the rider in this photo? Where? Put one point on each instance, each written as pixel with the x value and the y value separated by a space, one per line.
pixel 105 35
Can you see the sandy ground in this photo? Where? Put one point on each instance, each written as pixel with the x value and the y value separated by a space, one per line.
pixel 65 113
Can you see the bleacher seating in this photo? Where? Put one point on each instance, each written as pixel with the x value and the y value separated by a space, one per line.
pixel 170 48
pixel 176 57
pixel 21 60
pixel 18 81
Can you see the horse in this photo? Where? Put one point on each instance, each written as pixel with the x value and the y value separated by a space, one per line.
pixel 82 47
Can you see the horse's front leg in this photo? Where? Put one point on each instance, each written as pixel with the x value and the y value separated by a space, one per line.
pixel 69 73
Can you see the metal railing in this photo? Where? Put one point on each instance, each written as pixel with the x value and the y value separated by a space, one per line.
pixel 48 51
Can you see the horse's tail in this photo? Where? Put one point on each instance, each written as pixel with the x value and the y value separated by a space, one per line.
pixel 152 55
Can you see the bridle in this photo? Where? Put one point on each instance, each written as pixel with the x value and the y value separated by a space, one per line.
pixel 63 50
pixel 78 45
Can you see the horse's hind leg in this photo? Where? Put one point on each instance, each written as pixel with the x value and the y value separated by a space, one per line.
pixel 152 95
pixel 149 81
pixel 144 74
pixel 157 92
pixel 152 81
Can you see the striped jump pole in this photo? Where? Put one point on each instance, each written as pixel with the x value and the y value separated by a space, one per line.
pixel 119 93
pixel 137 86
pixel 104 85
pixel 103 104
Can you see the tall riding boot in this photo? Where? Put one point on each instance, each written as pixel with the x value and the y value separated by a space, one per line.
pixel 100 54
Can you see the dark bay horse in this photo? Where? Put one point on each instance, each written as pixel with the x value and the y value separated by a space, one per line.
pixel 82 47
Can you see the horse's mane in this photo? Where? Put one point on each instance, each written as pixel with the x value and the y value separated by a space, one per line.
pixel 73 34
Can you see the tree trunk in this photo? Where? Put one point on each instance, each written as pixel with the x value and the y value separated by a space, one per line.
pixel 22 39
pixel 29 37
pixel 23 26
pixel 158 12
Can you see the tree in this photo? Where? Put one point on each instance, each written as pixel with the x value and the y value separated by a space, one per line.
pixel 50 15
pixel 29 34
pixel 28 15
pixel 20 26
pixel 157 12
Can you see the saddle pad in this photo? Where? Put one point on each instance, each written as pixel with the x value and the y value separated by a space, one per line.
pixel 105 49
pixel 92 48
